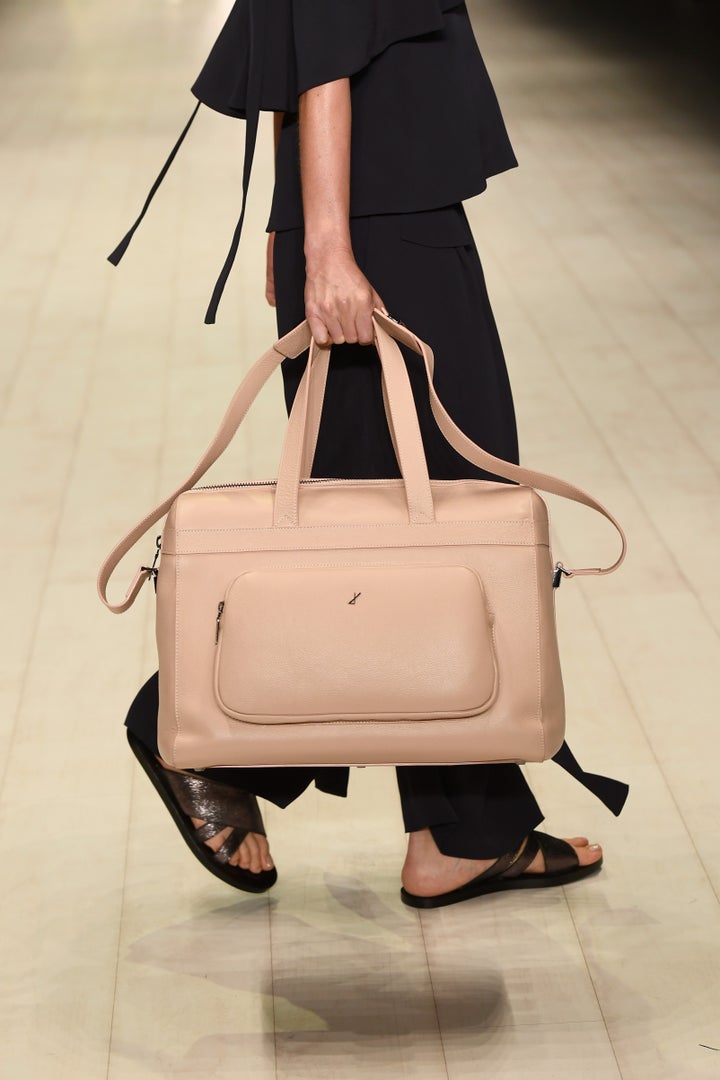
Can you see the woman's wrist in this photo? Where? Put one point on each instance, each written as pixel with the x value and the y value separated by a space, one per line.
pixel 326 247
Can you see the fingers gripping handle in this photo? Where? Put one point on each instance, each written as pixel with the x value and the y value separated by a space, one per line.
pixel 316 397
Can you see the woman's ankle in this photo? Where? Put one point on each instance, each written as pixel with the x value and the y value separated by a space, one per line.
pixel 428 872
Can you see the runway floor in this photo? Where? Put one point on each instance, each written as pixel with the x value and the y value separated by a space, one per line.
pixel 122 958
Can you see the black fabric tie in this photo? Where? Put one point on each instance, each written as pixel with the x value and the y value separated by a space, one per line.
pixel 251 128
pixel 258 17
pixel 115 256
pixel 258 23
pixel 612 793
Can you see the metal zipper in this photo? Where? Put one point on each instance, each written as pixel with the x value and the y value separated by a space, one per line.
pixel 221 608
pixel 262 483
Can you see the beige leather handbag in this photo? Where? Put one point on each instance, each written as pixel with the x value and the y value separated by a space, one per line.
pixel 354 622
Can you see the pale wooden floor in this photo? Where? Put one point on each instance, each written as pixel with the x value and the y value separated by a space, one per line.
pixel 121 956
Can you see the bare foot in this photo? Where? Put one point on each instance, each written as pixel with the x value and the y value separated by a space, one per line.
pixel 427 872
pixel 253 853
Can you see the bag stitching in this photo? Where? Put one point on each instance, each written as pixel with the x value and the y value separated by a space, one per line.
pixel 181 530
pixel 351 547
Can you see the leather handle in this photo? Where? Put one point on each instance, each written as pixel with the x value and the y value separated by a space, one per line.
pixel 290 346
pixel 315 408
pixel 404 425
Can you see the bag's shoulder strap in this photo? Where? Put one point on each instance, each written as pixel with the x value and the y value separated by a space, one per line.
pixel 498 466
pixel 289 346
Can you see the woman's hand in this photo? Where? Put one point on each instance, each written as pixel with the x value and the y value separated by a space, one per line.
pixel 339 299
pixel 269 273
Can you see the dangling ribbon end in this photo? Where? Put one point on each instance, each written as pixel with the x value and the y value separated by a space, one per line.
pixel 115 256
pixel 612 793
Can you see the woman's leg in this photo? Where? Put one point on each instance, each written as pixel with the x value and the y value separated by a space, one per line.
pixel 278 786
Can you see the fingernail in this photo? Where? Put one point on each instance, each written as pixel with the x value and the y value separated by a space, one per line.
pixel 268 864
pixel 594 847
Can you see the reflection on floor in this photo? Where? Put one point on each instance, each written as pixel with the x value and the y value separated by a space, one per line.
pixel 124 959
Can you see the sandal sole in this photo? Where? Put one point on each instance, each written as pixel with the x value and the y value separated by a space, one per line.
pixel 524 881
pixel 235 876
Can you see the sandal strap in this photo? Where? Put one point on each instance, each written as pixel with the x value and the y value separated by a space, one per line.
pixel 559 856
pixel 212 801
pixel 525 857
pixel 499 867
pixel 208 830
pixel 225 852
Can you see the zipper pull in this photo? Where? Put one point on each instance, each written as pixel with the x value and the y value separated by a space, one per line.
pixel 152 571
pixel 221 608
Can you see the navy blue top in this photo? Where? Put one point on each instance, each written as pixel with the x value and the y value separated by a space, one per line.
pixel 427 130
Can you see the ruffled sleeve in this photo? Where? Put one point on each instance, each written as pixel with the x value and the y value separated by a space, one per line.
pixel 258 34
pixel 269 52
pixel 299 44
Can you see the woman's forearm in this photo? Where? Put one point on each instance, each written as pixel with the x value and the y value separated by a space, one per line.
pixel 339 300
pixel 325 120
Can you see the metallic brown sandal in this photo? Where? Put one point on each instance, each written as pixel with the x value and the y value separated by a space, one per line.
pixel 561 868
pixel 187 796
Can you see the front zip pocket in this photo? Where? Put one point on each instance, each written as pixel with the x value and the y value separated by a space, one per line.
pixel 336 643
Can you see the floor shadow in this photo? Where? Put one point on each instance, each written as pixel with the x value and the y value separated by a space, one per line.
pixel 372 988
pixel 343 984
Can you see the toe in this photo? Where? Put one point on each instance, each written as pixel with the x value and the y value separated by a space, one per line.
pixel 588 853
pixel 253 854
pixel 256 862
pixel 266 862
pixel 259 854
pixel 242 856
